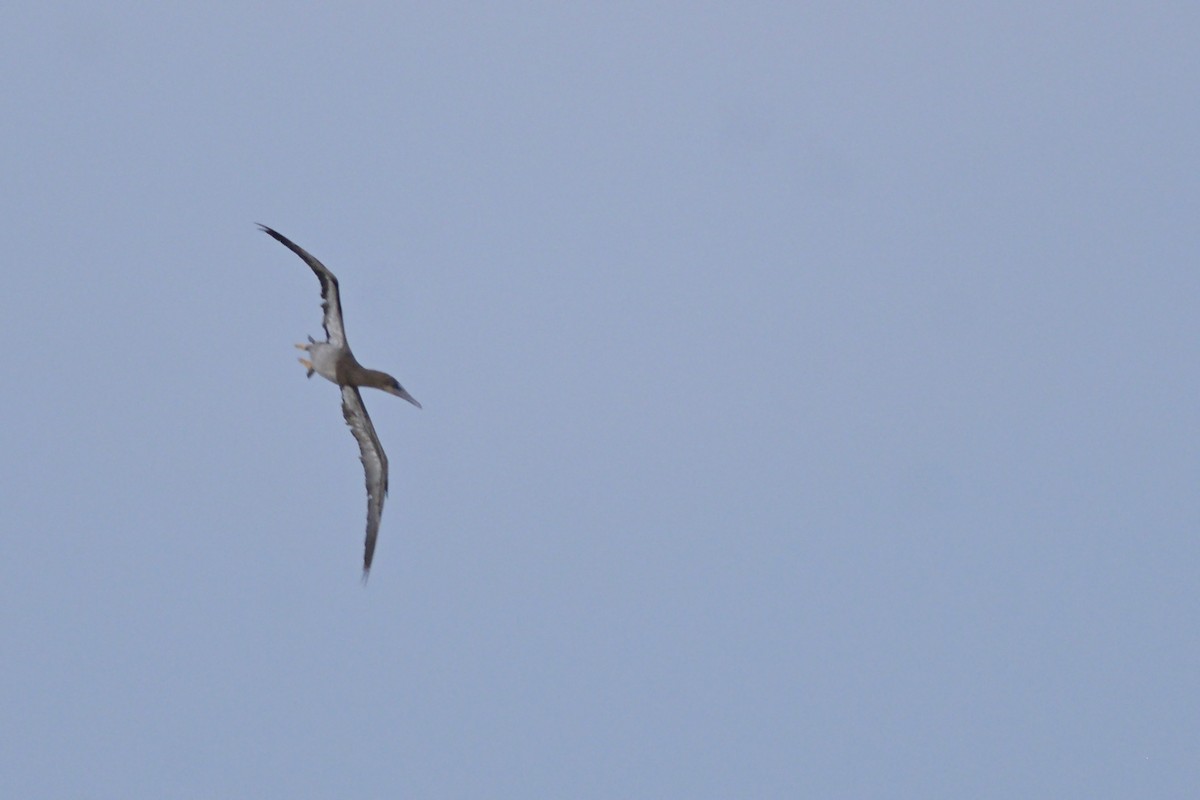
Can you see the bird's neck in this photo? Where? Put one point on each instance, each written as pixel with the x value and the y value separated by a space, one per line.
pixel 374 378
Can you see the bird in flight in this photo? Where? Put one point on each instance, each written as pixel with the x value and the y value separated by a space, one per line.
pixel 332 359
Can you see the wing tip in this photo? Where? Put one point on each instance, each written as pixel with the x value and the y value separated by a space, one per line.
pixel 368 557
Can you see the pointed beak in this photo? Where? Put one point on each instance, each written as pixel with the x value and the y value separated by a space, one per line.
pixel 400 392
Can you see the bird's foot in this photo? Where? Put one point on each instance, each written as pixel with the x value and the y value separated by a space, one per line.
pixel 307 364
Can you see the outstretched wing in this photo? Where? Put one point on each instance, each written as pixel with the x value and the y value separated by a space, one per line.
pixel 331 303
pixel 375 466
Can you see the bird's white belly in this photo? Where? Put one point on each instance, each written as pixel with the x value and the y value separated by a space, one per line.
pixel 324 360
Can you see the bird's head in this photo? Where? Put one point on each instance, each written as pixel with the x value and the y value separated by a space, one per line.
pixel 393 387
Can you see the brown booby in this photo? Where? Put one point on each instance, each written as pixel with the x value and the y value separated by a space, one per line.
pixel 332 359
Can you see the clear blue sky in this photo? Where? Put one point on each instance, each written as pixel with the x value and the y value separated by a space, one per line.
pixel 810 401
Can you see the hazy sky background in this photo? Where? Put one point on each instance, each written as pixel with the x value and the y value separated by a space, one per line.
pixel 810 401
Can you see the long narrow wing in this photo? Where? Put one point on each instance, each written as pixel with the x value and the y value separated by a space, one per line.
pixel 375 465
pixel 331 302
